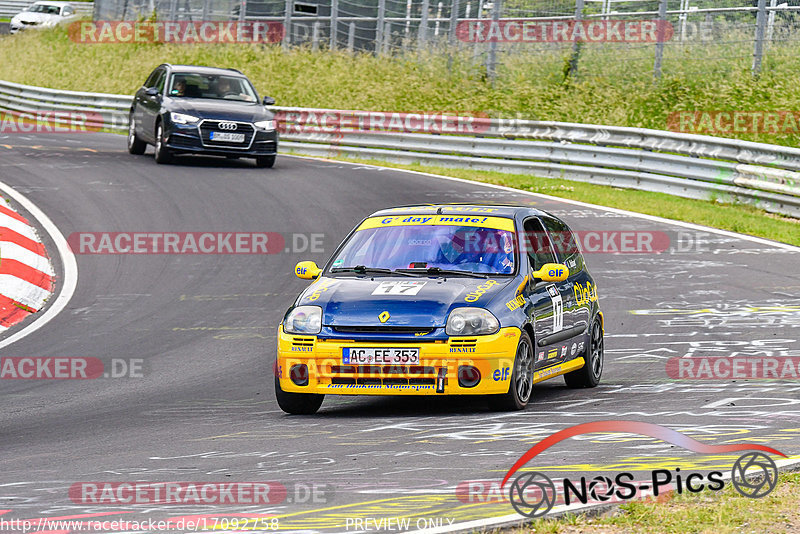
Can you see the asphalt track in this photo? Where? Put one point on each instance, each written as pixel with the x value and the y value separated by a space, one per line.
pixel 205 325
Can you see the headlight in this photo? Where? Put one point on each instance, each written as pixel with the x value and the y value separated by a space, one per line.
pixel 471 322
pixel 265 125
pixel 182 118
pixel 303 320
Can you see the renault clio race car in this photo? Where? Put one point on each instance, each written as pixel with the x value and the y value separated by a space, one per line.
pixel 443 300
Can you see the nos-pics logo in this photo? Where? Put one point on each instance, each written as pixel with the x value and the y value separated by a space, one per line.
pixel 533 494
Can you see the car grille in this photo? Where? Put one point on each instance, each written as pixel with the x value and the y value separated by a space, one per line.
pixel 383 330
pixel 208 126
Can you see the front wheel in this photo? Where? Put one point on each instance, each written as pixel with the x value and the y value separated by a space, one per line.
pixel 265 161
pixel 589 375
pixel 162 153
pixel 135 145
pixel 297 403
pixel 521 386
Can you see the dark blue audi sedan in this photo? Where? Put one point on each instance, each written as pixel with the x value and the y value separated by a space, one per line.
pixel 186 109
pixel 443 300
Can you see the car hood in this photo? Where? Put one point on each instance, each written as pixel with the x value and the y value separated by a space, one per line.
pixel 220 109
pixel 410 302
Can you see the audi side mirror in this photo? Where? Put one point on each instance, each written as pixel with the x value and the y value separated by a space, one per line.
pixel 268 101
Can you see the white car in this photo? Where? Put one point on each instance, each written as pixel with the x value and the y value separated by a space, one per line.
pixel 43 15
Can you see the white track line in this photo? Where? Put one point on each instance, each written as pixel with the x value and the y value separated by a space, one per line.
pixel 70 281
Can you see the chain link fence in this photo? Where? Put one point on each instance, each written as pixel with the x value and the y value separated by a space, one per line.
pixel 557 38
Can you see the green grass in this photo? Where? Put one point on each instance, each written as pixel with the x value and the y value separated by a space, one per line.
pixel 615 85
pixel 726 512
pixel 737 218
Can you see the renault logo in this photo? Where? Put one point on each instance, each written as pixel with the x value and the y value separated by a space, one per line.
pixel 384 316
pixel 227 126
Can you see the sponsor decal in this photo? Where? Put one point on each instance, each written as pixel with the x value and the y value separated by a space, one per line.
pixel 319 288
pixel 404 287
pixel 497 223
pixel 573 350
pixel 552 353
pixel 540 356
pixel 501 375
pixel 516 303
pixel 584 294
pixel 564 351
pixel 473 296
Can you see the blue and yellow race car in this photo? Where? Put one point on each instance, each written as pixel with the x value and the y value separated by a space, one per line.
pixel 443 300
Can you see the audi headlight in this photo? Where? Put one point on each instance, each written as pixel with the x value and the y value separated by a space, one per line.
pixel 182 118
pixel 265 125
pixel 303 320
pixel 471 322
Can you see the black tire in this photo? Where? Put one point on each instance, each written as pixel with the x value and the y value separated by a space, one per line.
pixel 520 387
pixel 135 145
pixel 297 403
pixel 265 162
pixel 161 153
pixel 589 375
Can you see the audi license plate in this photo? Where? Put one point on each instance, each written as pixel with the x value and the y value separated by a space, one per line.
pixel 380 356
pixel 227 136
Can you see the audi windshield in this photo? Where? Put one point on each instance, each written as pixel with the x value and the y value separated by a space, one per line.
pixel 397 244
pixel 189 85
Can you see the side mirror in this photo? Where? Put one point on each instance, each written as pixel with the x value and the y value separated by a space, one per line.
pixel 552 272
pixel 268 101
pixel 307 270
pixel 151 91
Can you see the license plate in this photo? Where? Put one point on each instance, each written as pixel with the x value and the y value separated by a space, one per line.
pixel 380 356
pixel 227 136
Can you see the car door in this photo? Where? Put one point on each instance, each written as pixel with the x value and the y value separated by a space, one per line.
pixel 546 303
pixel 576 312
pixel 151 105
pixel 137 110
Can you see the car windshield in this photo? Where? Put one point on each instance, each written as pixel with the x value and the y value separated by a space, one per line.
pixel 44 8
pixel 189 85
pixel 472 249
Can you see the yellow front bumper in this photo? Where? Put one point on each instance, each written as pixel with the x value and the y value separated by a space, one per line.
pixel 492 355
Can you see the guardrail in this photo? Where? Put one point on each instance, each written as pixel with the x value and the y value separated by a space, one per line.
pixel 9 8
pixel 693 166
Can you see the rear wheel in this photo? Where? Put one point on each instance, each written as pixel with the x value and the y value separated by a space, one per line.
pixel 135 145
pixel 265 161
pixel 162 153
pixel 520 388
pixel 297 403
pixel 589 375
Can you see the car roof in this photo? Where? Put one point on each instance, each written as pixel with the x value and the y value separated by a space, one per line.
pixel 497 210
pixel 202 69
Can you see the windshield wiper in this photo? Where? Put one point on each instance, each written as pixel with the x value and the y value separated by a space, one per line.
pixel 363 269
pixel 439 270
